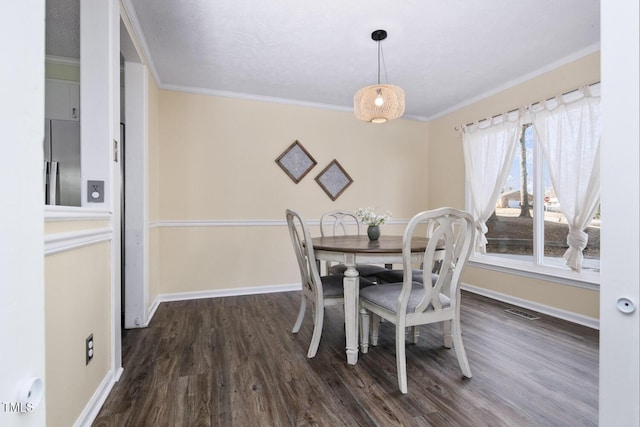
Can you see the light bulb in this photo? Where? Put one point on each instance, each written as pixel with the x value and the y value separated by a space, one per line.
pixel 379 100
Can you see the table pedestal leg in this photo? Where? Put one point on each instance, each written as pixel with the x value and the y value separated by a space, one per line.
pixel 351 284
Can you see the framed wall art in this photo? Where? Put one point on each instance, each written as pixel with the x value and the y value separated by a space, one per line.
pixel 334 180
pixel 296 161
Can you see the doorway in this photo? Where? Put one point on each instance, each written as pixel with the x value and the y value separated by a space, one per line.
pixel 134 229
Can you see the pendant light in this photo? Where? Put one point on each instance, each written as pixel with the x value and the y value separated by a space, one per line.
pixel 379 103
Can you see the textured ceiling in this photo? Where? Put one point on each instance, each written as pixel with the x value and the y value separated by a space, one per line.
pixel 442 53
pixel 63 28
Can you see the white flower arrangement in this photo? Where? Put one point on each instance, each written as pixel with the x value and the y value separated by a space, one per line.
pixel 370 217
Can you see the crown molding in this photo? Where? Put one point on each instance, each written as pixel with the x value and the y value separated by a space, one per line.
pixel 552 66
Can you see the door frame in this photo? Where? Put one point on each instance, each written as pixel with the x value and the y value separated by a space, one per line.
pixel 620 275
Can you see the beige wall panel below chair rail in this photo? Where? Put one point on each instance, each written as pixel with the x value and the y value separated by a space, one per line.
pixel 209 258
pixel 154 266
pixel 77 304
pixel 196 259
pixel 581 301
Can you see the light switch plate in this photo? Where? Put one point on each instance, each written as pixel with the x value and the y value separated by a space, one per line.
pixel 95 191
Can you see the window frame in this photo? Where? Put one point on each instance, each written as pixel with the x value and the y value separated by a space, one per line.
pixel 534 266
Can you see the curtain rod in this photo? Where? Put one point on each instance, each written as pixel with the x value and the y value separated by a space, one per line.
pixel 458 128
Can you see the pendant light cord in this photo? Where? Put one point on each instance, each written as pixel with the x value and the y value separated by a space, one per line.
pixel 378 62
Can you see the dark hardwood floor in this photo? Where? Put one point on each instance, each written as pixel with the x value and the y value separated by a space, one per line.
pixel 234 362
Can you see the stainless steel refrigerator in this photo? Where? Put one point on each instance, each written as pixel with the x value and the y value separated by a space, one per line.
pixel 61 173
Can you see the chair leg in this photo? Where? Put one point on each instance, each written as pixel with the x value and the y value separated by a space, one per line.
pixel 303 308
pixel 401 358
pixel 317 331
pixel 448 342
pixel 364 330
pixel 459 348
pixel 415 333
pixel 375 328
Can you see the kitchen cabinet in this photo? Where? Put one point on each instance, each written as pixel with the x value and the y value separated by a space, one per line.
pixel 62 99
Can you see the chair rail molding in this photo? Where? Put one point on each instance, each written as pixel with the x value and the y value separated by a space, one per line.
pixel 238 223
pixel 72 213
pixel 60 242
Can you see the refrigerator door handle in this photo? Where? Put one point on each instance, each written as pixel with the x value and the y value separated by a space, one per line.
pixel 53 183
pixel 45 181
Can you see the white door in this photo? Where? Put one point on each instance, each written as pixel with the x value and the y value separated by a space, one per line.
pixel 136 239
pixel 21 213
pixel 620 275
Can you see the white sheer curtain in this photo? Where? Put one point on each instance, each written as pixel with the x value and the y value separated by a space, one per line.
pixel 489 147
pixel 569 135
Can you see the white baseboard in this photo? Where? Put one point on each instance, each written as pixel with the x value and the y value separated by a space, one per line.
pixel 91 410
pixel 540 308
pixel 255 290
pixel 217 293
pixel 119 374
pixel 152 311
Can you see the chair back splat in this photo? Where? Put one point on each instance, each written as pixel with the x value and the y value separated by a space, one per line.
pixel 339 223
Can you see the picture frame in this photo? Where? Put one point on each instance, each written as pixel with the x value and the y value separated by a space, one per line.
pixel 296 161
pixel 334 179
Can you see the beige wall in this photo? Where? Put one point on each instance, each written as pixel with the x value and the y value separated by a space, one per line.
pixel 77 303
pixel 217 159
pixel 153 196
pixel 217 162
pixel 446 177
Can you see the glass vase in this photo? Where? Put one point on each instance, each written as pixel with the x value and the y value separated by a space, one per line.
pixel 373 231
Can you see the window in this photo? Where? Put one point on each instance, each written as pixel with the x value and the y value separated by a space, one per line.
pixel 533 187
pixel 523 231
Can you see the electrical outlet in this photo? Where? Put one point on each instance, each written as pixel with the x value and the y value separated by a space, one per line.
pixel 95 191
pixel 88 349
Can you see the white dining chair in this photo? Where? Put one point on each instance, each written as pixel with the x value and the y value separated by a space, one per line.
pixel 345 223
pixel 412 303
pixel 320 291
pixel 390 275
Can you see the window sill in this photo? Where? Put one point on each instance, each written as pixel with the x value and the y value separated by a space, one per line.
pixel 585 279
